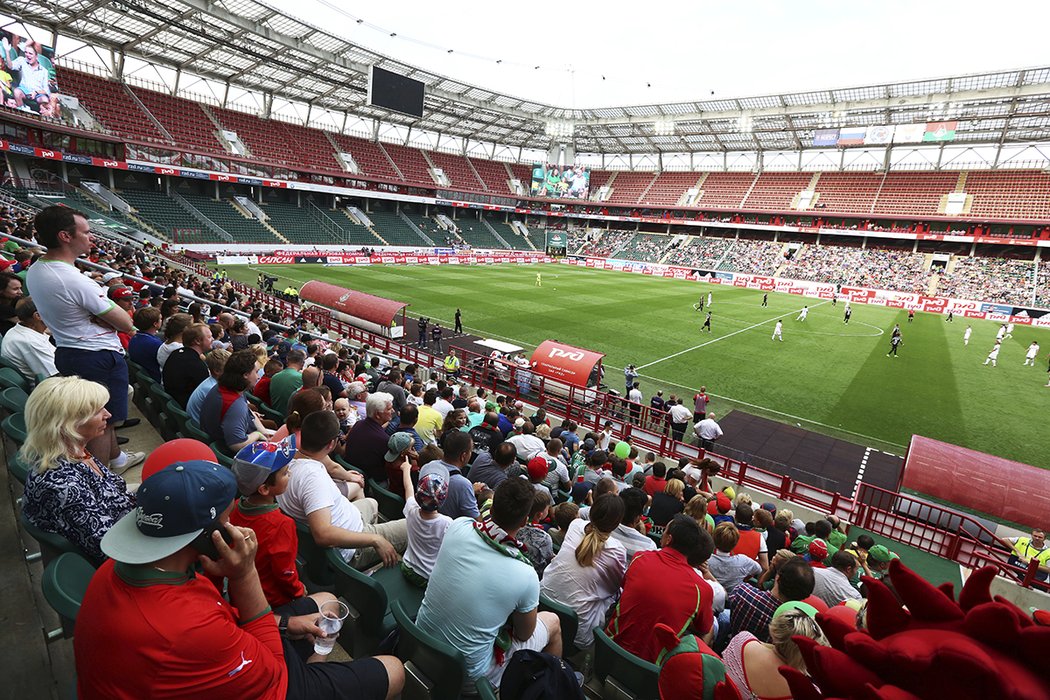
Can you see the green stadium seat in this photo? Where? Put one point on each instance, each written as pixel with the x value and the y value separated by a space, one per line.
pixel 433 668
pixel 18 469
pixel 620 674
pixel 14 399
pixel 484 689
pixel 370 597
pixel 318 574
pixel 221 453
pixel 570 623
pixel 64 585
pixel 51 544
pixel 14 426
pixel 391 506
pixel 10 377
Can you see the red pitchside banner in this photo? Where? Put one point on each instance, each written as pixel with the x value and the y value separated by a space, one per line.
pixel 564 362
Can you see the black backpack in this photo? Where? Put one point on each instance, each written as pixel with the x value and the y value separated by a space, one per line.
pixel 533 675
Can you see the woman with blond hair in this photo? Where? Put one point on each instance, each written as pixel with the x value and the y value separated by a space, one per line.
pixel 68 491
pixel 667 503
pixel 754 665
pixel 587 572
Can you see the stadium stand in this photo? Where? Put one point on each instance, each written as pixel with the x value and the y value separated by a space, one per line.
pixel 368 155
pixel 914 193
pixel 847 193
pixel 307 225
pixel 393 229
pixel 577 239
pixel 758 257
pixel 700 251
pixel 608 244
pixel 512 237
pixel 411 162
pixel 168 218
pixel 644 247
pixel 991 279
pixel 725 190
pixel 493 174
pixel 1042 285
pixel 110 103
pixel 477 235
pixel 458 170
pixel 226 216
pixel 185 120
pixel 668 187
pixel 1009 194
pixel 885 269
pixel 776 191
pixel 629 187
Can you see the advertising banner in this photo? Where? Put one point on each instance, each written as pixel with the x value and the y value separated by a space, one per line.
pixel 565 363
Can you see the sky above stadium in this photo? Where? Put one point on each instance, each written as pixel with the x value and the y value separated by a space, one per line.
pixel 576 54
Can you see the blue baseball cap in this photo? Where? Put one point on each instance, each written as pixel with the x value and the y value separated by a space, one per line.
pixel 255 462
pixel 174 507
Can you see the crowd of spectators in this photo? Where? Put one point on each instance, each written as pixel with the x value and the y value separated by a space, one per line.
pixel 703 252
pixel 861 267
pixel 990 279
pixel 645 247
pixel 607 244
pixel 755 257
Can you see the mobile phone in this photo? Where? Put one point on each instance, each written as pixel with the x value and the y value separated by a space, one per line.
pixel 203 542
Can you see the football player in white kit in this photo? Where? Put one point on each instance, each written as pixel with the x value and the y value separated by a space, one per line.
pixel 802 314
pixel 993 356
pixel 778 331
pixel 967 334
pixel 1033 352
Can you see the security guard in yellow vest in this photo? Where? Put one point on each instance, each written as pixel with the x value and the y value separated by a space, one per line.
pixel 1024 549
pixel 451 363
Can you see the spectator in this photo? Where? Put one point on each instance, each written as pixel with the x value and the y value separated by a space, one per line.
pixel 430 420
pixel 312 498
pixel 832 584
pixel 525 440
pixel 287 381
pixel 490 468
pixel 751 543
pixel 10 293
pixel 679 414
pixel 730 569
pixel 216 361
pixel 587 572
pixel 407 420
pixel 68 491
pixel 366 443
pixel 539 547
pixel 462 497
pixel 143 346
pixel 563 515
pixel 667 503
pixel 754 666
pixel 173 328
pixel 426 526
pixel 752 608
pixel 708 431
pixel 27 346
pixel 185 369
pixel 399 450
pixel 83 322
pixel 392 386
pixel 481 578
pixel 455 421
pixel 357 393
pixel 225 414
pixel 486 435
pixel 655 482
pixel 330 377
pixel 628 533
pixel 685 600
pixel 176 626
pixel 262 387
pixel 557 477
pixel 594 466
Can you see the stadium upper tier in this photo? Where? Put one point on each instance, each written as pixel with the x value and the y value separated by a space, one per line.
pixel 143 117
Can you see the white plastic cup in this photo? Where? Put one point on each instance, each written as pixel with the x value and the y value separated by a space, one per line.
pixel 333 614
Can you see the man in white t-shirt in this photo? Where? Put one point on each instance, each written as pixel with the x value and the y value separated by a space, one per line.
pixel 27 346
pixel 778 331
pixel 525 441
pixel 313 498
pixel 83 321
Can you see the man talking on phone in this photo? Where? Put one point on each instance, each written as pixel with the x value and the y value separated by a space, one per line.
pixel 150 627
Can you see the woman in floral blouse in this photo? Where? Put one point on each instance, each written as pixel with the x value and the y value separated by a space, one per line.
pixel 68 491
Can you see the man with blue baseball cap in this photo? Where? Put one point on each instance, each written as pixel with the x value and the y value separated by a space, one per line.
pixel 149 626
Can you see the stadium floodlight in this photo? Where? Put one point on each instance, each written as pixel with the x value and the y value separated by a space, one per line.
pixel 560 129
pixel 664 127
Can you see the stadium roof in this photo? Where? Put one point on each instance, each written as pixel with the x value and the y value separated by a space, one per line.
pixel 249 44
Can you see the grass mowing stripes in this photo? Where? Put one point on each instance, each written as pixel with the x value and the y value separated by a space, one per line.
pixel 829 377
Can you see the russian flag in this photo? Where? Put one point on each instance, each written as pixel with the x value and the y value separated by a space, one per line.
pixel 852 135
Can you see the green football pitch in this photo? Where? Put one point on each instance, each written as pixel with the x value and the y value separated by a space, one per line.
pixel 826 376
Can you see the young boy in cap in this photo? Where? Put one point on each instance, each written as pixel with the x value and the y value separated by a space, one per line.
pixel 399 448
pixel 426 526
pixel 262 474
pixel 149 626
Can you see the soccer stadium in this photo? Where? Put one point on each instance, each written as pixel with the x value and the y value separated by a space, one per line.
pixel 402 354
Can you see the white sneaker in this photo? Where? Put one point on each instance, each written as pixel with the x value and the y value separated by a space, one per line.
pixel 125 461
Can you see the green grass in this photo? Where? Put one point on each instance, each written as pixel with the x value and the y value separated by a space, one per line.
pixel 828 377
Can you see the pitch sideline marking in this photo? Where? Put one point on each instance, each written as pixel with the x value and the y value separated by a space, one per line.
pixel 798 419
pixel 723 337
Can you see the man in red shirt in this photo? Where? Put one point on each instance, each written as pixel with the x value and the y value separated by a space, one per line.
pixel 655 482
pixel 700 405
pixel 684 602
pixel 150 627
